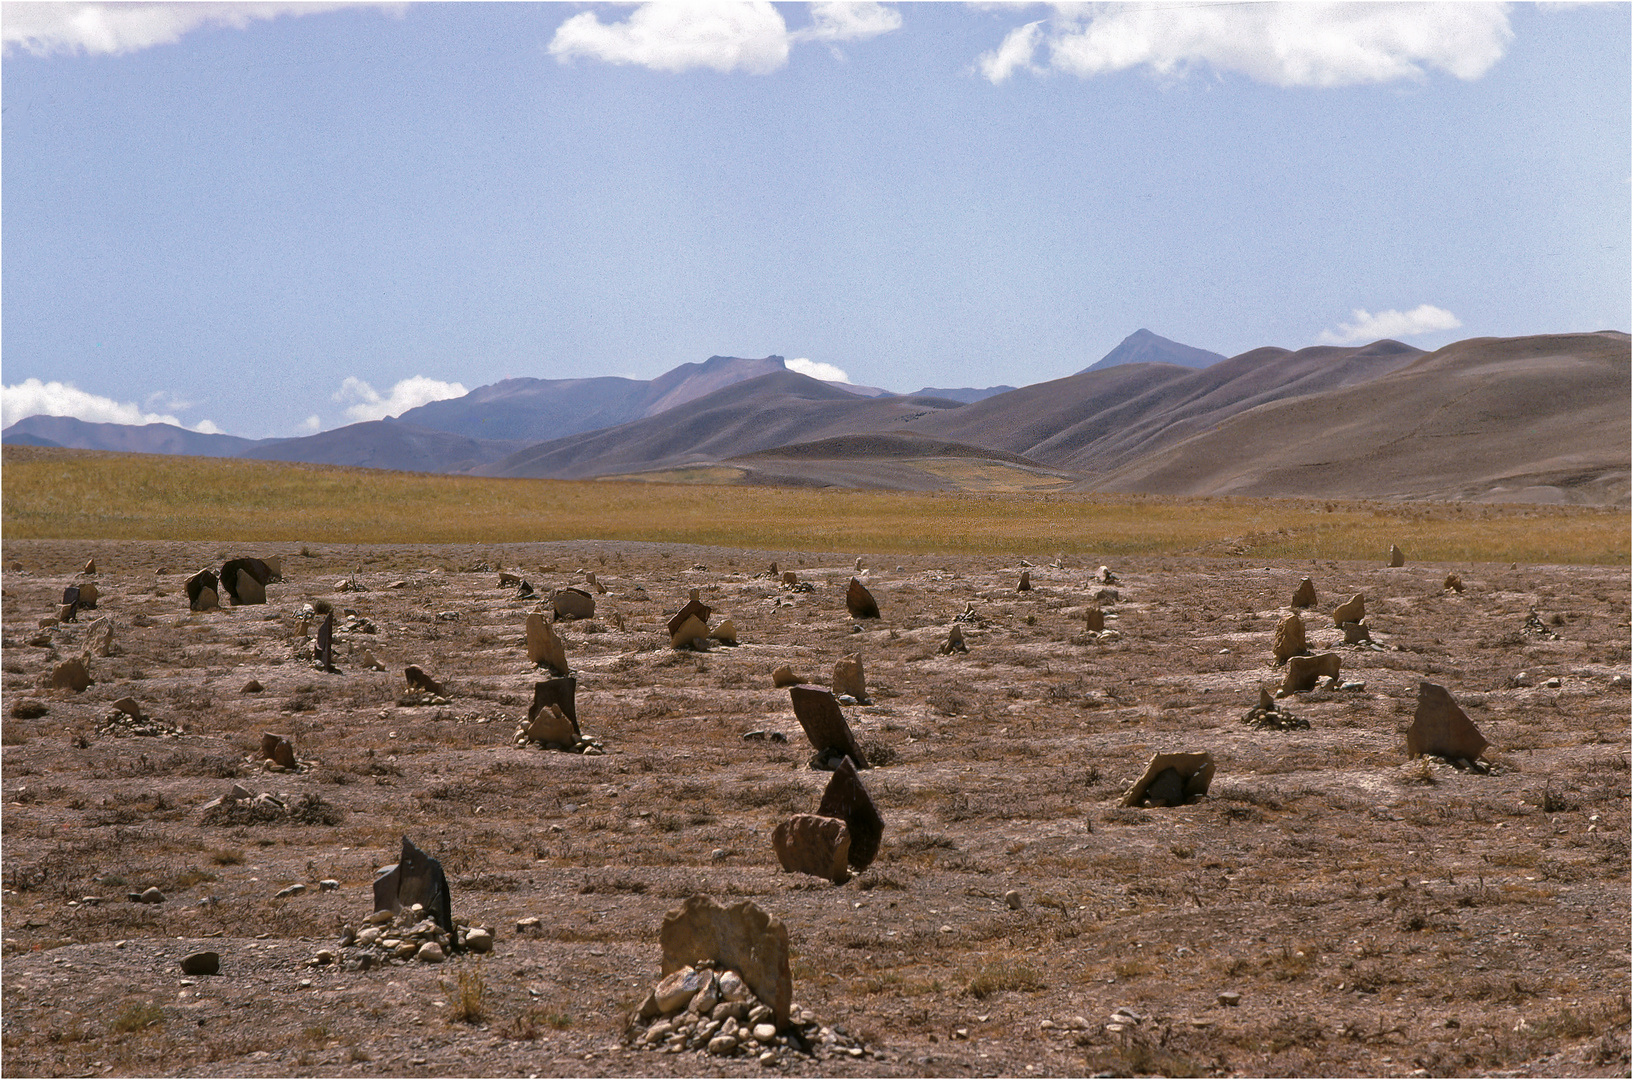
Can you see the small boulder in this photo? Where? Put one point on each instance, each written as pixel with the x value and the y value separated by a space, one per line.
pixel 848 678
pixel 1290 640
pixel 129 707
pixel 814 844
pixel 1395 556
pixel 203 591
pixel 1356 633
pixel 1352 610
pixel 817 711
pixel 99 637
pixel 1303 672
pixel 87 595
pixel 252 687
pixel 90 567
pixel 277 749
pixel 70 675
pixel 859 602
pixel 201 963
pixel 572 603
pixel 430 953
pixel 688 633
pixel 1304 596
pixel 479 940
pixel 676 990
pixel 783 675
pixel 789 577
pixel 419 682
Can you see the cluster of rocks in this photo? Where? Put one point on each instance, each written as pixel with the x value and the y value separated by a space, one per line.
pixel 278 754
pixel 409 933
pixel 1534 627
pixel 689 627
pixel 1265 716
pixel 244 581
pixel 127 719
pixel 239 802
pixel 714 1013
pixel 843 834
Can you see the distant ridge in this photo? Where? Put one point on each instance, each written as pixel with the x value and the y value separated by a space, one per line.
pixel 1144 347
pixel 77 434
pixel 966 394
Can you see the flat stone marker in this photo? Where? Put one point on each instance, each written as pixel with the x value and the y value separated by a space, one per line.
pixel 74 675
pixel 544 648
pixel 741 937
pixel 1440 727
pixel 203 591
pixel 416 878
pixel 1095 619
pixel 1194 771
pixel 572 604
pixel 99 637
pixel 1352 610
pixel 689 631
pixel 848 678
pixel 561 693
pixel 859 602
pixel 1395 556
pixel 326 642
pixel 1304 595
pixel 845 798
pixel 201 963
pixel 817 711
pixel 813 844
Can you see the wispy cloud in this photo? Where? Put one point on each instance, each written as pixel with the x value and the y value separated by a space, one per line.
pixel 723 36
pixel 46 29
pixel 1282 44
pixel 825 372
pixel 410 393
pixel 31 397
pixel 1423 319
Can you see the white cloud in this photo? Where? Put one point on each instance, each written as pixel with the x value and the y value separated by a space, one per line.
pixel 723 35
pixel 825 372
pixel 1423 319
pixel 407 394
pixel 312 424
pixel 849 22
pixel 31 397
pixel 44 29
pixel 1282 44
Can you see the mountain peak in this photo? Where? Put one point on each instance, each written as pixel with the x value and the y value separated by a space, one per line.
pixel 1144 347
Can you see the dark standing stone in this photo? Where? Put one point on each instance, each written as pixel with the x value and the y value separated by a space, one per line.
pixel 1167 789
pixel 845 798
pixel 70 595
pixel 817 711
pixel 326 643
pixel 560 693
pixel 279 750
pixel 859 602
pixel 1304 595
pixel 419 680
pixel 200 582
pixel 420 880
pixel 1026 582
pixel 255 568
pixel 694 609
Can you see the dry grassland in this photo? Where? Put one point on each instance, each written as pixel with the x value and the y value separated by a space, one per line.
pixel 61 494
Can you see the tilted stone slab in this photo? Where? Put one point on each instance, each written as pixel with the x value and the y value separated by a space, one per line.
pixel 742 937
pixel 1440 727
pixel 859 602
pixel 1352 610
pixel 814 844
pixel 419 681
pixel 1194 770
pixel 1304 596
pixel 562 693
pixel 203 591
pixel 420 880
pixel 845 798
pixel 544 648
pixel 817 711
pixel 694 609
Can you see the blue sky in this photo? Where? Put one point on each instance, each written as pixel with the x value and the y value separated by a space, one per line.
pixel 269 220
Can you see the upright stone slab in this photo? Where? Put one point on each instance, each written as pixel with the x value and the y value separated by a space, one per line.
pixel 1440 727
pixel 848 678
pixel 74 675
pixel 203 592
pixel 1395 556
pixel 1303 672
pixel 561 693
pixel 1025 584
pixel 88 595
pixel 817 711
pixel 688 632
pixel 1352 610
pixel 741 937
pixel 277 749
pixel 694 609
pixel 70 597
pixel 859 602
pixel 385 889
pixel 99 637
pixel 420 880
pixel 326 642
pixel 544 648
pixel 250 591
pixel 1194 771
pixel 813 844
pixel 257 570
pixel 1289 639
pixel 1095 619
pixel 572 604
pixel 845 798
pixel 1304 596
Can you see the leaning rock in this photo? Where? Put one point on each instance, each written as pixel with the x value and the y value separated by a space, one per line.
pixel 1194 772
pixel 70 675
pixel 544 648
pixel 129 706
pixel 419 682
pixel 845 798
pixel 1441 728
pixel 783 675
pixel 817 711
pixel 694 609
pixel 430 953
pixel 859 602
pixel 1025 584
pixel 848 678
pixel 90 567
pixel 1303 672
pixel 955 642
pixel 741 937
pixel 1303 596
pixel 278 749
pixel 201 963
pixel 725 633
pixel 813 844
pixel 1352 610
pixel 1289 639
pixel 572 604
pixel 1395 556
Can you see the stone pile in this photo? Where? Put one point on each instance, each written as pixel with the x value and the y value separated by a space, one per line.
pixel 408 934
pixel 240 797
pixel 1534 627
pixel 127 720
pixel 1265 716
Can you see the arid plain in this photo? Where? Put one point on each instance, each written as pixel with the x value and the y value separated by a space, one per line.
pixel 1376 915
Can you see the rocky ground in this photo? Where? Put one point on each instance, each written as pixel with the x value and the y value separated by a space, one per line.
pixel 1329 907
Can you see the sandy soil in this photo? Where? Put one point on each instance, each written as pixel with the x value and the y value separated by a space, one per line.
pixel 1376 916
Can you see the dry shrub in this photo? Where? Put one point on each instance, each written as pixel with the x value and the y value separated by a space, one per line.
pixel 1003 975
pixel 466 1004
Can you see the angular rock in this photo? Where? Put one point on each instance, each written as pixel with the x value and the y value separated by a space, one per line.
pixel 419 682
pixel 954 642
pixel 818 713
pixel 67 613
pixel 845 798
pixel 813 844
pixel 250 591
pixel 548 725
pixel 1025 584
pixel 1356 632
pixel 90 567
pixel 87 595
pixel 201 963
pixel 789 577
pixel 725 633
pixel 258 572
pixel 848 678
pixel 544 648
pixel 1440 727
pixel 74 675
pixel 371 662
pixel 1453 583
pixel 572 603
pixel 676 989
pixel 416 878
pixel 1104 576
pixel 99 637
pixel 129 707
pixel 1289 639
pixel 1303 672
pixel 689 632
pixel 859 602
pixel 1194 770
pixel 1095 619
pixel 562 693
pixel 70 599
pixel 694 609
pixel 150 895
pixel 1395 556
pixel 1352 610
pixel 252 687
pixel 1303 596
pixel 325 651
pixel 783 675
pixel 203 591
pixel 277 748
pixel 1106 596
pixel 741 937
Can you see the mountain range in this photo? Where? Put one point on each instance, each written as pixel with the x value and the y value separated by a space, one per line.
pixel 1542 418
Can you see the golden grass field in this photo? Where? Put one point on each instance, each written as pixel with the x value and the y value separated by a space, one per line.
pixel 68 494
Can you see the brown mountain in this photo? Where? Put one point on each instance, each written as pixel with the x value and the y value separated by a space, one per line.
pixel 385 444
pixel 1543 419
